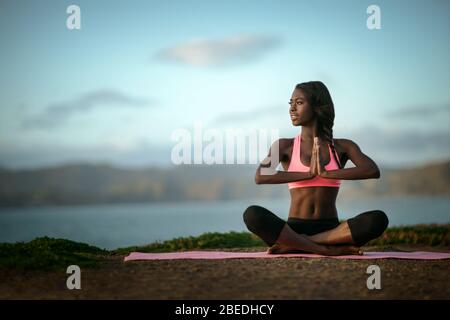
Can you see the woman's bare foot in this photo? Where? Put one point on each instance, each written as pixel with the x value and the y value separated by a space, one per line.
pixel 280 249
pixel 341 250
pixel 332 250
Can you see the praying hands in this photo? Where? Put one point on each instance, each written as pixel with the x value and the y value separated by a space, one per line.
pixel 316 167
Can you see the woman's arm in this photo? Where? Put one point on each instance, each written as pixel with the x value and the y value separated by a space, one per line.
pixel 281 177
pixel 365 168
pixel 266 172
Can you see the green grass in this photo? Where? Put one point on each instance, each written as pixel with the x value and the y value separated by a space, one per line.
pixel 54 254
pixel 210 240
pixel 429 235
pixel 49 254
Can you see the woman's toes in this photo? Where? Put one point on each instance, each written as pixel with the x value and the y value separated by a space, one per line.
pixel 355 250
pixel 340 250
pixel 279 249
pixel 273 249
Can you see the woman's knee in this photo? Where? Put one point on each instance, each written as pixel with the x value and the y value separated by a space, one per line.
pixel 263 223
pixel 253 215
pixel 380 221
pixel 368 226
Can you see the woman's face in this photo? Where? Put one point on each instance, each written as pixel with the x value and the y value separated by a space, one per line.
pixel 299 110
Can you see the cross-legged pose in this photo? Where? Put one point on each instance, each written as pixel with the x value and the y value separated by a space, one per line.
pixel 314 165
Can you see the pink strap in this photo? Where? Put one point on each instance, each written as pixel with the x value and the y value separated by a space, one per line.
pixel 337 156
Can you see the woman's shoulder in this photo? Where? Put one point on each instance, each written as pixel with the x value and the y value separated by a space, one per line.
pixel 344 145
pixel 284 142
pixel 343 142
pixel 285 145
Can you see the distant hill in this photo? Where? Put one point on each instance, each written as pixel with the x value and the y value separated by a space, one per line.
pixel 83 184
pixel 432 179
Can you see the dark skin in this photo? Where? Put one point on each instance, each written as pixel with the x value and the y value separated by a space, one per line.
pixel 315 202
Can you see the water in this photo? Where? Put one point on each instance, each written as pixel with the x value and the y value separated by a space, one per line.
pixel 119 225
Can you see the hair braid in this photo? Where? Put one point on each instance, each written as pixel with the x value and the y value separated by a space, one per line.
pixel 319 98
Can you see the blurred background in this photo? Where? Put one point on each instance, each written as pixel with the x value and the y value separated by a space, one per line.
pixel 86 116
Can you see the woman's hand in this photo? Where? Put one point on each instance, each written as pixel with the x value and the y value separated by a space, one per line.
pixel 318 167
pixel 313 162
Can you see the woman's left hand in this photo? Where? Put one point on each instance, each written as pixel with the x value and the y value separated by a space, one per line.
pixel 320 168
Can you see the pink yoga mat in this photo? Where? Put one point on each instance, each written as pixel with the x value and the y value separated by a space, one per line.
pixel 418 255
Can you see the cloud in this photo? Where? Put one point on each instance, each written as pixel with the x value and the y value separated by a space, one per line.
pixel 55 114
pixel 400 146
pixel 388 147
pixel 420 111
pixel 139 154
pixel 221 52
pixel 403 139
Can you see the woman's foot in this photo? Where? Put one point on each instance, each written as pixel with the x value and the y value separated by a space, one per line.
pixel 280 249
pixel 332 250
pixel 341 250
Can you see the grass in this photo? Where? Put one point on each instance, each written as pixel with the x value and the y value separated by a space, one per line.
pixel 55 254
pixel 209 240
pixel 429 235
pixel 49 254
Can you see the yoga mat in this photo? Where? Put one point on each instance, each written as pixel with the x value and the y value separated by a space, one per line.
pixel 211 255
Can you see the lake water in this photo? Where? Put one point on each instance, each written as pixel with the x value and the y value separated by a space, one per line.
pixel 119 225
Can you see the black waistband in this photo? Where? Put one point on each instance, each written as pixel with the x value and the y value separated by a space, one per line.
pixel 313 220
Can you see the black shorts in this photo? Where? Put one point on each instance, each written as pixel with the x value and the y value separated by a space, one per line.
pixel 265 224
pixel 312 226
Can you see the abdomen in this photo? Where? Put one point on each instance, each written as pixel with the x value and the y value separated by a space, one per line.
pixel 313 202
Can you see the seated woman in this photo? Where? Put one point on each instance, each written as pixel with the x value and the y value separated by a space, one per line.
pixel 313 165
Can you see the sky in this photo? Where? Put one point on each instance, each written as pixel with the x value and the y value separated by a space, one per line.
pixel 117 89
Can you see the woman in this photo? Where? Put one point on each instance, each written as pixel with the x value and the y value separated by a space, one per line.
pixel 313 165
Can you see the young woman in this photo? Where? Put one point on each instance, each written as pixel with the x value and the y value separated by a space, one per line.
pixel 313 165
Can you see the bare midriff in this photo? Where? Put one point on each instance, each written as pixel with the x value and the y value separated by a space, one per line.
pixel 313 202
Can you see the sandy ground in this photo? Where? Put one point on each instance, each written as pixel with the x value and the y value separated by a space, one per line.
pixel 277 278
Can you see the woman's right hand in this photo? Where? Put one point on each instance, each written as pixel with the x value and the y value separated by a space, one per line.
pixel 313 169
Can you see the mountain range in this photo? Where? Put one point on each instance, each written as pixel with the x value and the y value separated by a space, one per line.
pixel 103 183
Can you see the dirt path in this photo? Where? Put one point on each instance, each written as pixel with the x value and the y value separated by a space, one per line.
pixel 277 278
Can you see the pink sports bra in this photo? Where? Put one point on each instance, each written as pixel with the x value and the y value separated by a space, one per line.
pixel 317 181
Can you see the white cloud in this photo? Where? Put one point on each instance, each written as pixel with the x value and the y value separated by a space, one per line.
pixel 227 51
pixel 56 113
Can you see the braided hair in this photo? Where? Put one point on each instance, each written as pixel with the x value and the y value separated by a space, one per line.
pixel 319 98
